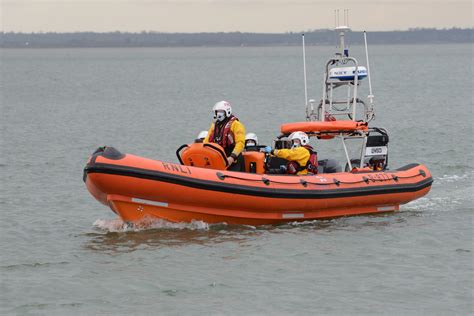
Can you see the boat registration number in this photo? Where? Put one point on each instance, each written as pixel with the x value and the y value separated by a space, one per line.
pixel 374 151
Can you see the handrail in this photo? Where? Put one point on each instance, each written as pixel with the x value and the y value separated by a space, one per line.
pixel 178 153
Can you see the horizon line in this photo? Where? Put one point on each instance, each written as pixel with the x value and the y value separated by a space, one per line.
pixel 411 29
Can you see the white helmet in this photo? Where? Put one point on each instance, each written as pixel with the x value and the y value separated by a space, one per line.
pixel 301 136
pixel 202 135
pixel 221 106
pixel 252 139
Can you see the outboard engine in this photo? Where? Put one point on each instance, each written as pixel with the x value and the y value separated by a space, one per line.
pixel 376 149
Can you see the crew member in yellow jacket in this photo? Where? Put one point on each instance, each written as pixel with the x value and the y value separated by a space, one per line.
pixel 301 157
pixel 228 132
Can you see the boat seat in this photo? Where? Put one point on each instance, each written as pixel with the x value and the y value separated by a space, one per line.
pixel 254 162
pixel 203 155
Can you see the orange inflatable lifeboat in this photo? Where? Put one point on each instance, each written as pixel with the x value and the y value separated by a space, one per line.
pixel 201 189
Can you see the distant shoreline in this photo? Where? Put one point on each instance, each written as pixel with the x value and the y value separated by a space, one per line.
pixel 231 39
pixel 222 46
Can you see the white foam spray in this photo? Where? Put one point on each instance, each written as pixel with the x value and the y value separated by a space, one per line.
pixel 117 225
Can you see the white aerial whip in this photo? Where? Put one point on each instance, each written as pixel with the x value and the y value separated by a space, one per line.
pixel 370 96
pixel 304 71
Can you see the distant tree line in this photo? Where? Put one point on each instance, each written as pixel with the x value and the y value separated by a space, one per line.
pixel 157 39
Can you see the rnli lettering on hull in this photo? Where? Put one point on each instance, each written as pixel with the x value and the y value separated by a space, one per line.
pixel 176 168
pixel 379 177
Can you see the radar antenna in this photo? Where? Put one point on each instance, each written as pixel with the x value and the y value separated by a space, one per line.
pixel 342 71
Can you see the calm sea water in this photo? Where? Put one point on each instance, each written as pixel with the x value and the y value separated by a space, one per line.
pixel 64 253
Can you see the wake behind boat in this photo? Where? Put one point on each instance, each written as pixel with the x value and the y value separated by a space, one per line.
pixel 200 186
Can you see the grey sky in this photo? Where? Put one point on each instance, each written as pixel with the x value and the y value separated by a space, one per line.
pixel 228 15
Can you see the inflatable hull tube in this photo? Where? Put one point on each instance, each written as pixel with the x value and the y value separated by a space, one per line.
pixel 136 188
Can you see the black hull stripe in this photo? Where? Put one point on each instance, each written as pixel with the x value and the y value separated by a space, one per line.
pixel 251 190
